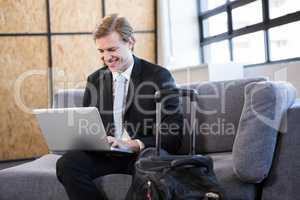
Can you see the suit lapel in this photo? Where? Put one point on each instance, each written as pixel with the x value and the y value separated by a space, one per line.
pixel 108 97
pixel 135 79
pixel 105 98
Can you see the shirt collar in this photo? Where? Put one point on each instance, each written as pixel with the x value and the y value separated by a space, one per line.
pixel 126 73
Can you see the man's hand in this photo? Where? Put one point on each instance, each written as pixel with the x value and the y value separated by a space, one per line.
pixel 128 144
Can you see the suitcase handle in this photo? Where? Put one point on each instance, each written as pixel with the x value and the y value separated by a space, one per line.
pixel 159 95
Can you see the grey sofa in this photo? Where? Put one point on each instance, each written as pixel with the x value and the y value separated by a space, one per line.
pixel 222 112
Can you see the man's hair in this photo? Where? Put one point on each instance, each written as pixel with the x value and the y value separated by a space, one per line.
pixel 111 23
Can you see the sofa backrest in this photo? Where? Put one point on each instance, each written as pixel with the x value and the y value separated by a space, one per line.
pixel 68 98
pixel 219 107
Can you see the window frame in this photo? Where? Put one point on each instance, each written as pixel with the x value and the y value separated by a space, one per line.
pixel 264 26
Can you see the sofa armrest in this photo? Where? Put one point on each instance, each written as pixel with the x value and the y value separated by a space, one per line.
pixel 284 179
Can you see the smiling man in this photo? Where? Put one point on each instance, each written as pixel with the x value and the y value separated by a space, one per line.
pixel 123 91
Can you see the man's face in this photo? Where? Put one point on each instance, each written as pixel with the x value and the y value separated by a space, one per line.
pixel 114 52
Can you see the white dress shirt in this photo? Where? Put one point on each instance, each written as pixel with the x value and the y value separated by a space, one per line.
pixel 127 75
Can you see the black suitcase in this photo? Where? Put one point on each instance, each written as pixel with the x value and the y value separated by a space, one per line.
pixel 160 176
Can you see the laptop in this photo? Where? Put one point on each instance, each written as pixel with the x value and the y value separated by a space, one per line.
pixel 79 128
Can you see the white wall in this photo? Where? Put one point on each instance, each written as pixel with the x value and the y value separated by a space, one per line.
pixel 279 72
pixel 208 72
pixel 177 33
pixel 193 74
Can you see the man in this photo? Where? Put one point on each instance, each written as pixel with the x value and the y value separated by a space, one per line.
pixel 123 92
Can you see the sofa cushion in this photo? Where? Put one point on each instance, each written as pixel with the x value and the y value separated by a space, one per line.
pixel 32 180
pixel 265 105
pixel 234 188
pixel 218 113
pixel 37 180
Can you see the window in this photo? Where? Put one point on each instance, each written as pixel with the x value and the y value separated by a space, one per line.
pixel 285 41
pixel 249 48
pixel 215 25
pixel 249 31
pixel 282 7
pixel 217 52
pixel 244 15
pixel 211 4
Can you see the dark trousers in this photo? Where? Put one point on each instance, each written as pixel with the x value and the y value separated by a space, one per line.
pixel 76 170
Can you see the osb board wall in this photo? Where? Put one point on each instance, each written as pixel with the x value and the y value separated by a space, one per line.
pixel 72 65
pixel 22 16
pixel 23 86
pixel 74 15
pixel 74 58
pixel 141 15
pixel 145 46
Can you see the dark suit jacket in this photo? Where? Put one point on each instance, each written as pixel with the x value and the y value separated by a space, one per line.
pixel 139 117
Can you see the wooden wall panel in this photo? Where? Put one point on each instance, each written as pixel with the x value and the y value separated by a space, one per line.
pixel 74 58
pixel 140 13
pixel 145 46
pixel 23 16
pixel 74 15
pixel 22 58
